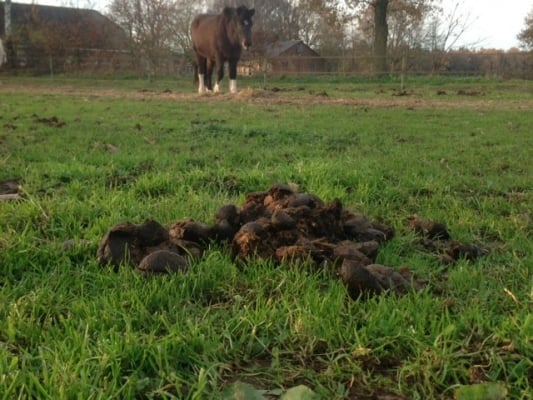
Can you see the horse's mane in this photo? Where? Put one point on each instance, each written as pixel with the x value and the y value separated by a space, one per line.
pixel 228 12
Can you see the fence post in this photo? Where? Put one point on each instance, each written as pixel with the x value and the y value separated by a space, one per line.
pixel 402 73
pixel 264 68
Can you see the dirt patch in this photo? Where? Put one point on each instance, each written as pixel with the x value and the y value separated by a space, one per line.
pixel 435 238
pixel 469 92
pixel 52 121
pixel 10 189
pixel 277 97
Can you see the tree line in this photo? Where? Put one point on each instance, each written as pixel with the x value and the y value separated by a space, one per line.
pixel 386 30
pixel 380 33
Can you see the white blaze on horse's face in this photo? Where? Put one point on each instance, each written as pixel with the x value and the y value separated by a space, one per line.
pixel 245 23
pixel 247 34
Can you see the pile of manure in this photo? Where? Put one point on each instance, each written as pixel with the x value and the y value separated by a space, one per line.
pixel 284 226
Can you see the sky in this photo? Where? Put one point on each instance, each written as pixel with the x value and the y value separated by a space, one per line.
pixel 492 23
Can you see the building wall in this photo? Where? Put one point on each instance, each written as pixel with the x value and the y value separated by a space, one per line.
pixel 297 60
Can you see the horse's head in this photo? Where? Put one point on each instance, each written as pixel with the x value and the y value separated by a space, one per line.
pixel 244 29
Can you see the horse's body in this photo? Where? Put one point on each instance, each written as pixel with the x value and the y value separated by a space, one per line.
pixel 217 39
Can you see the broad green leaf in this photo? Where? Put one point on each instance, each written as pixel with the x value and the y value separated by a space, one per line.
pixel 242 391
pixel 481 391
pixel 300 392
pixel 275 392
pixel 448 330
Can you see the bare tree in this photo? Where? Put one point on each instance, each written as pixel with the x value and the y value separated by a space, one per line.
pixel 322 25
pixel 381 33
pixel 155 27
pixel 405 23
pixel 378 23
pixel 181 22
pixel 381 10
pixel 48 39
pixel 443 31
pixel 275 20
pixel 526 35
pixel 310 23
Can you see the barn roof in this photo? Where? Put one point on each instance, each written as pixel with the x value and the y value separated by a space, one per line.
pixel 96 29
pixel 278 48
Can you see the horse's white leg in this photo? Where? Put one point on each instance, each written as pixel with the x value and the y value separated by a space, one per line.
pixel 233 85
pixel 201 83
pixel 216 88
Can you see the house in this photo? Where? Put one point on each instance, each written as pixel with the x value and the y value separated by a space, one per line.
pixel 290 57
pixel 38 36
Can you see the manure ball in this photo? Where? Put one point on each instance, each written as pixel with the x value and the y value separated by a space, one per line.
pixel 190 230
pixel 389 278
pixel 229 213
pixel 151 233
pixel 358 280
pixel 427 228
pixel 163 262
pixel 120 245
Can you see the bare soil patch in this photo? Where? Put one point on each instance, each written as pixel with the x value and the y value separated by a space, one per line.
pixel 274 96
pixel 10 189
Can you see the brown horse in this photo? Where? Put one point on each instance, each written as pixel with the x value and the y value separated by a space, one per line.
pixel 217 39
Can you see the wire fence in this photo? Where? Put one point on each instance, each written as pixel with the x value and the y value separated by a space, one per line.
pixel 500 65
pixel 491 65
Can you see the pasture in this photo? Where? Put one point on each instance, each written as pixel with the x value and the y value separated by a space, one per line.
pixel 87 154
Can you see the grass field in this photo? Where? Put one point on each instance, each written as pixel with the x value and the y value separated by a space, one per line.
pixel 88 154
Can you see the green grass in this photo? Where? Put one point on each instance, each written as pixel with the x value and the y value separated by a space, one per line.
pixel 71 329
